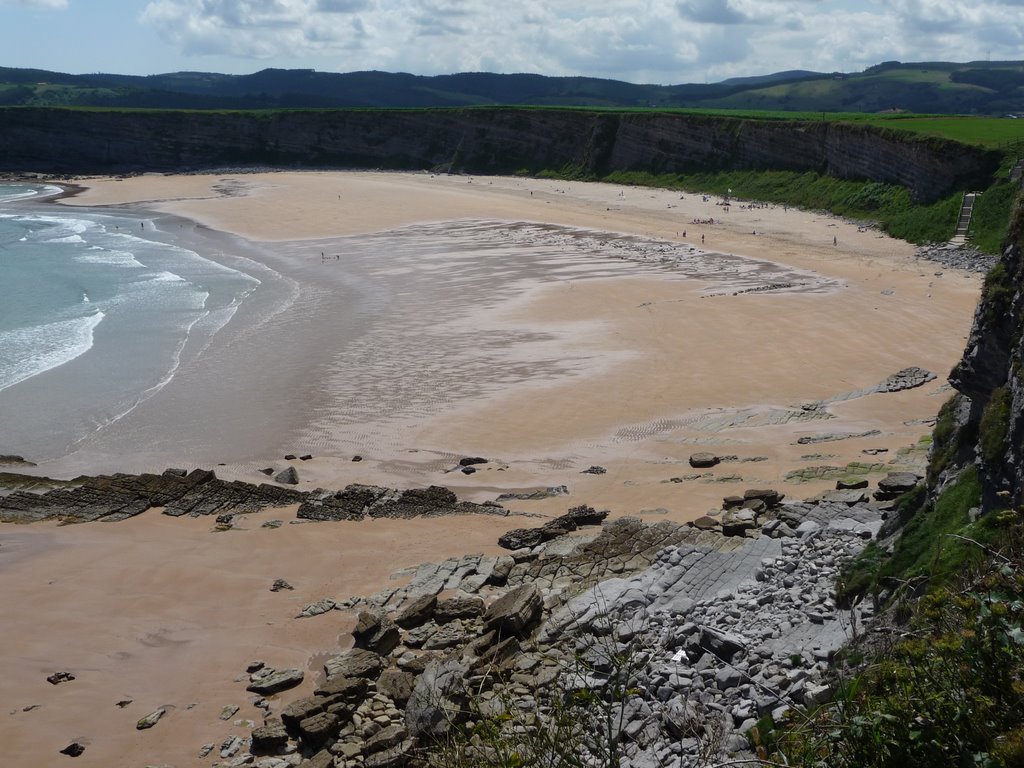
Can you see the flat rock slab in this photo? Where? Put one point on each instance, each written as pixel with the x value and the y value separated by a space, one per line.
pixel 356 662
pixel 317 608
pixel 515 611
pixel 703 460
pixel 850 497
pixel 276 681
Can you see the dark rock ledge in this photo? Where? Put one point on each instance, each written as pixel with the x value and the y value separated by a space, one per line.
pixel 28 499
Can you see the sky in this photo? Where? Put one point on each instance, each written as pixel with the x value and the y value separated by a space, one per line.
pixel 640 41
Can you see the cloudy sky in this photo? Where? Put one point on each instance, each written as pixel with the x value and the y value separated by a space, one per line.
pixel 650 41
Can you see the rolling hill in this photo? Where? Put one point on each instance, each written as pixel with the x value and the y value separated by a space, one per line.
pixel 983 88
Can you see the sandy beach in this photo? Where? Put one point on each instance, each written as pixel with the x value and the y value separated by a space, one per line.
pixel 547 326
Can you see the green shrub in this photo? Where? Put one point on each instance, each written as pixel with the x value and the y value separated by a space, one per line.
pixel 989 221
pixel 995 423
pixel 949 692
pixel 924 550
pixel 997 293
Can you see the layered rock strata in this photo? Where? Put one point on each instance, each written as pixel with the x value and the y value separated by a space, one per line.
pixel 201 492
pixel 683 637
pixel 498 140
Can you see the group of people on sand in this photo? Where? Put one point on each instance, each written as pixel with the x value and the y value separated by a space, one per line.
pixel 703 221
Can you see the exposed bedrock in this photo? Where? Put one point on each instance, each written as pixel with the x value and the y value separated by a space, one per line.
pixel 984 424
pixel 201 492
pixel 702 634
pixel 481 141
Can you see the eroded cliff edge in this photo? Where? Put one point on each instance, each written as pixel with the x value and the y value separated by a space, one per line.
pixel 984 424
pixel 491 140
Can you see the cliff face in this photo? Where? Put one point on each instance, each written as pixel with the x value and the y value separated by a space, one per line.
pixel 480 141
pixel 990 380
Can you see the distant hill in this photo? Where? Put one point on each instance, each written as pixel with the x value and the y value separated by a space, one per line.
pixel 986 88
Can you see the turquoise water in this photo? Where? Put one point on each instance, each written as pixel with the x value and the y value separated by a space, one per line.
pixel 95 312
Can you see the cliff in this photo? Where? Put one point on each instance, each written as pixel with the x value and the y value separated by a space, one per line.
pixel 498 140
pixel 985 422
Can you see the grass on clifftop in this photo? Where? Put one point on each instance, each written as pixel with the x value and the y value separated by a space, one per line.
pixel 931 548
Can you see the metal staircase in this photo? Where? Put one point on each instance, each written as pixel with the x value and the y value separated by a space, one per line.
pixel 964 222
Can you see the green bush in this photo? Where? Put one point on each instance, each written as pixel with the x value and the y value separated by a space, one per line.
pixel 925 549
pixel 989 221
pixel 995 423
pixel 949 692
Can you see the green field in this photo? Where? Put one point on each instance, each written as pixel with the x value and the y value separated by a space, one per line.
pixel 991 132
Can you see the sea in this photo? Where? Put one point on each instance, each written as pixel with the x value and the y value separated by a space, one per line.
pixel 96 312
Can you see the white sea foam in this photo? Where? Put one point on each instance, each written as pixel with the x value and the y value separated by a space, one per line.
pixel 98 255
pixel 167 277
pixel 20 192
pixel 55 229
pixel 27 352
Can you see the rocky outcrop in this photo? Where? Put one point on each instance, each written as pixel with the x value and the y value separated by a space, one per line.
pixel 521 538
pixel 357 502
pixel 117 497
pixel 200 492
pixel 984 424
pixel 684 639
pixel 497 140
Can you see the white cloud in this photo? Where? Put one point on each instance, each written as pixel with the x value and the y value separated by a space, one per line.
pixel 51 4
pixel 640 40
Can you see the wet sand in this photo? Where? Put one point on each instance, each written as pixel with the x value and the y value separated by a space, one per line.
pixel 540 346
pixel 533 345
pixel 166 613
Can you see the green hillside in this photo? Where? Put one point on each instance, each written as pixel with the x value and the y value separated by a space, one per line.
pixel 981 88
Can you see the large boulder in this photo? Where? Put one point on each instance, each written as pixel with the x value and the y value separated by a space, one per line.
pixel 342 688
pixel 584 515
pixel 322 759
pixel 720 644
pixel 267 681
pixel 356 662
pixel 302 709
pixel 438 699
pixel 736 522
pixel 397 685
pixel 682 719
pixel 705 523
pixel 375 632
pixel 771 498
pixel 350 503
pixel 895 484
pixel 703 460
pixel 521 538
pixel 268 738
pixel 417 502
pixel 503 566
pixel 319 730
pixel 289 476
pixel 515 612
pixel 416 612
pixel 459 606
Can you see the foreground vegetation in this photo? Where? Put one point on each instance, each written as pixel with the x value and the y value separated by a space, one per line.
pixel 945 685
